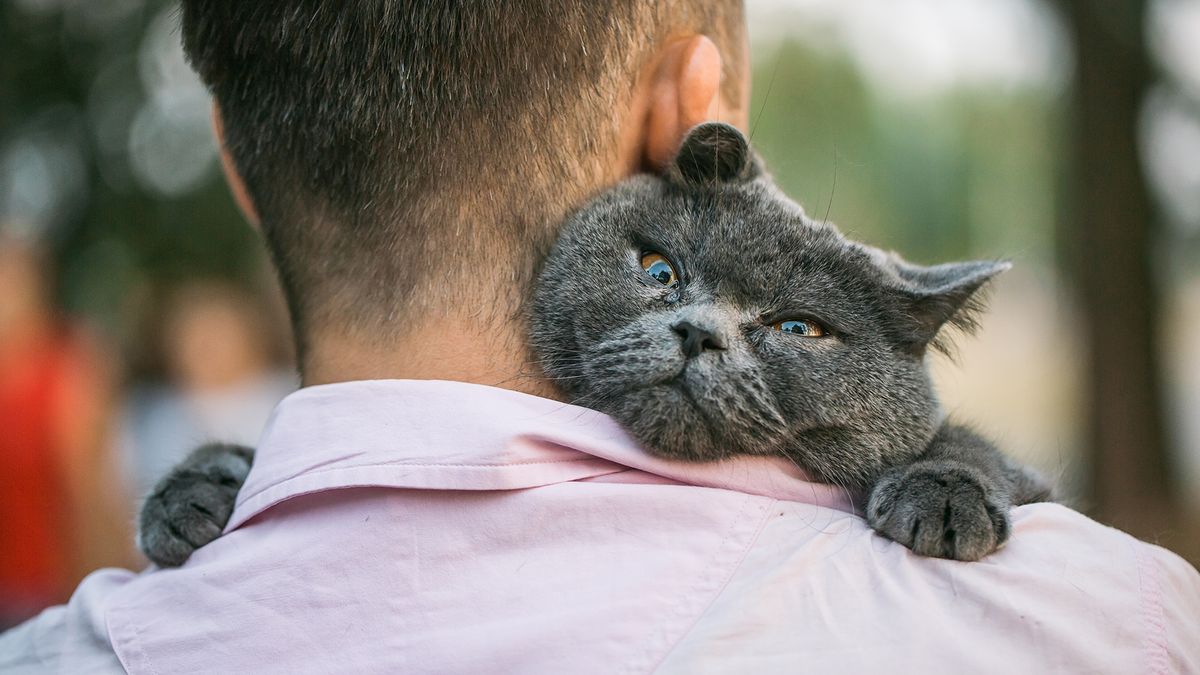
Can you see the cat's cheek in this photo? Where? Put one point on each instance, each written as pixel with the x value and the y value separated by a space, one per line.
pixel 803 358
pixel 811 386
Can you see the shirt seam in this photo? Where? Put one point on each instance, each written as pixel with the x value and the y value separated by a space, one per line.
pixel 486 466
pixel 767 510
pixel 1154 639
pixel 132 642
pixel 283 490
pixel 422 465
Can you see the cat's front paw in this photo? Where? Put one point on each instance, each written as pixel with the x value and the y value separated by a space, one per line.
pixel 191 505
pixel 940 509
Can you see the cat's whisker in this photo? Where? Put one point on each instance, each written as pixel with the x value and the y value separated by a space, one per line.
pixel 833 189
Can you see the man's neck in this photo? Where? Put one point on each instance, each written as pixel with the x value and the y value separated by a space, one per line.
pixel 451 348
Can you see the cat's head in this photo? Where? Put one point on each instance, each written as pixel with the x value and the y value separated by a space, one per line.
pixel 706 313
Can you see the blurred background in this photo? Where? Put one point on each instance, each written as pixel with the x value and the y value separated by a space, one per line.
pixel 138 316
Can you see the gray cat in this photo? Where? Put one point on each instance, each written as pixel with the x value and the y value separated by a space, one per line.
pixel 705 312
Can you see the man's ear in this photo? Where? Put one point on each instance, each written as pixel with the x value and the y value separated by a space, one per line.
pixel 713 153
pixel 237 186
pixel 676 89
pixel 940 294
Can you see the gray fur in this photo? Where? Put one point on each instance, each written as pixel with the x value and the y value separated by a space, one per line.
pixel 855 408
pixel 953 502
pixel 190 505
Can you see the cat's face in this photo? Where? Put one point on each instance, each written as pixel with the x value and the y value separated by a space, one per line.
pixel 708 315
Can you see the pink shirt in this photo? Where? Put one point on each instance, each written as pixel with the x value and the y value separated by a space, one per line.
pixel 406 526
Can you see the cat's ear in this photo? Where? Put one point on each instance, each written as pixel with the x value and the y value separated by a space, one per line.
pixel 712 154
pixel 942 294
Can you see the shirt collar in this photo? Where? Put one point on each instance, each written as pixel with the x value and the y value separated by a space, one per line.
pixel 436 435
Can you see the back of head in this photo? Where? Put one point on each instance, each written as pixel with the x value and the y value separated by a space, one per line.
pixel 408 157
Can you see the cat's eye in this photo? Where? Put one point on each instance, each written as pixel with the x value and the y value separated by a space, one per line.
pixel 659 268
pixel 801 327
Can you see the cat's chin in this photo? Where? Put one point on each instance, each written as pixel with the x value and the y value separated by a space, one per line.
pixel 666 422
pixel 703 407
pixel 670 422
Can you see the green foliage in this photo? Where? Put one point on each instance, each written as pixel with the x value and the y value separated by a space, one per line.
pixel 965 174
pixel 75 74
pixel 969 174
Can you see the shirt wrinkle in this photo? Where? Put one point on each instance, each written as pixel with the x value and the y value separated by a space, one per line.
pixel 766 511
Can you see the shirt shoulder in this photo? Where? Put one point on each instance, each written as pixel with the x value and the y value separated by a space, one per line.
pixel 70 638
pixel 1173 608
pixel 1064 594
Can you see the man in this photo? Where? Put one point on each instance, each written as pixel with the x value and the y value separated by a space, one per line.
pixel 408 165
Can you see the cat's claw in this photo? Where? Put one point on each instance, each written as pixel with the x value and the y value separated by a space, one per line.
pixel 191 505
pixel 940 509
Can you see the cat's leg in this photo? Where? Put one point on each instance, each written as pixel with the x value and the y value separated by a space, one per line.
pixel 953 500
pixel 190 505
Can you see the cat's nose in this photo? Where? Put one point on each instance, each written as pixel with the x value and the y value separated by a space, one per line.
pixel 697 339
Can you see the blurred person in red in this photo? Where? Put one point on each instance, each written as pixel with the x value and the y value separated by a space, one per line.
pixel 56 476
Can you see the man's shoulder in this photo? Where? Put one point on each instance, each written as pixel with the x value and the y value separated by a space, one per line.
pixel 1047 538
pixel 823 587
pixel 1052 548
pixel 70 638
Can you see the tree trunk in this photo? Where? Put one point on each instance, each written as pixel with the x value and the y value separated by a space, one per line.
pixel 1108 242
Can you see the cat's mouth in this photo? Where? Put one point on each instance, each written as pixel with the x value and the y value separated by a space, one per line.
pixel 705 406
pixel 716 414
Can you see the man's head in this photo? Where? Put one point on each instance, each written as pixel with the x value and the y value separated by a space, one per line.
pixel 409 160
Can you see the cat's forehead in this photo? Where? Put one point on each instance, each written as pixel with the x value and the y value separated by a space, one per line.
pixel 754 237
pixel 752 218
pixel 749 242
